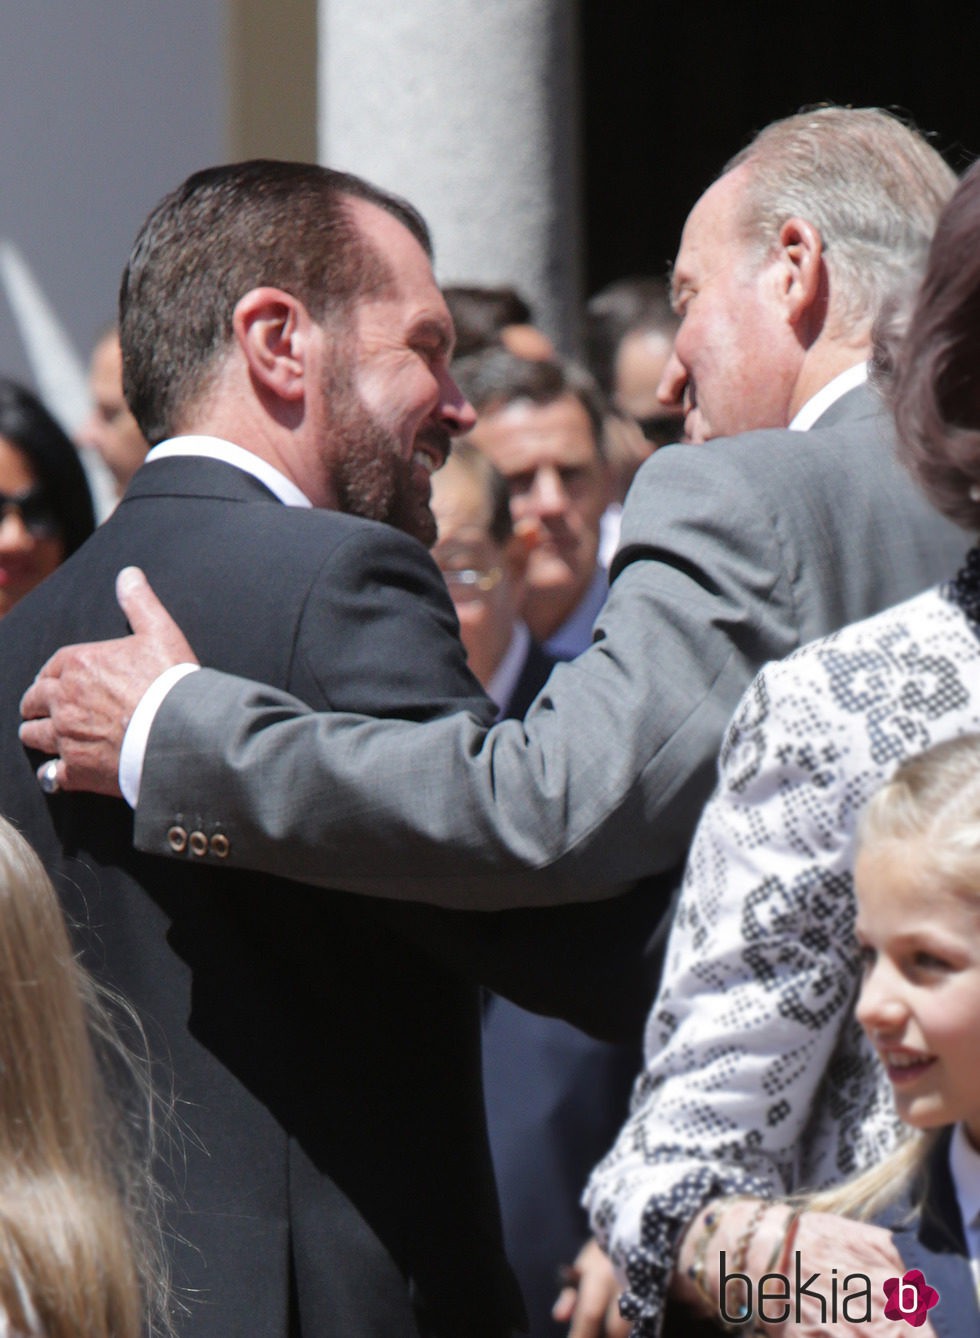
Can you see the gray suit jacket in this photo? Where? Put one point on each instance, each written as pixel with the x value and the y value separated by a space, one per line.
pixel 733 553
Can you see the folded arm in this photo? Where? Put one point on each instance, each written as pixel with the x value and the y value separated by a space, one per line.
pixel 756 1081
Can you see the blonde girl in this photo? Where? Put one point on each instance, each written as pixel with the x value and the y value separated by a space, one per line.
pixel 78 1252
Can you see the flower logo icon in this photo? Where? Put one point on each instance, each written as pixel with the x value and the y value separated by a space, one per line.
pixel 909 1297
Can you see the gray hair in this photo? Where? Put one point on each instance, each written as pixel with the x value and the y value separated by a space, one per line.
pixel 871 186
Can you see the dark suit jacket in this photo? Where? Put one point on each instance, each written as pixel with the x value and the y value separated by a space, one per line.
pixel 932 1240
pixel 555 1101
pixel 537 665
pixel 334 1176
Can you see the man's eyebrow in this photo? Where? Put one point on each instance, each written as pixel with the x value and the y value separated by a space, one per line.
pixel 435 331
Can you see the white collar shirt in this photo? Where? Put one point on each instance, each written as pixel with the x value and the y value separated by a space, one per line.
pixel 964 1167
pixel 818 404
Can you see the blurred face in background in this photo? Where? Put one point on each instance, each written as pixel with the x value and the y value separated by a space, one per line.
pixel 483 574
pixel 641 361
pixel 559 488
pixel 111 429
pixel 31 544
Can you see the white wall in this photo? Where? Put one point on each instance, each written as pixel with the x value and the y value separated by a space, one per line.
pixel 104 106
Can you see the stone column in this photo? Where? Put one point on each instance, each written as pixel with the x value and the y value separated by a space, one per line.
pixel 469 109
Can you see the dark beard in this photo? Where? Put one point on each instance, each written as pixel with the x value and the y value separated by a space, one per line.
pixel 370 477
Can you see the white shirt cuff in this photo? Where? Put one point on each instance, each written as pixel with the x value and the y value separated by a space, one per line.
pixel 133 751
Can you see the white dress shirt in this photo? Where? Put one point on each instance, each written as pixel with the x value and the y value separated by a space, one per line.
pixel 575 633
pixel 964 1167
pixel 827 395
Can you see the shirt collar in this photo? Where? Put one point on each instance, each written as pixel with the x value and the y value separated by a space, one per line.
pixel 575 633
pixel 504 678
pixel 215 448
pixel 964 1167
pixel 818 404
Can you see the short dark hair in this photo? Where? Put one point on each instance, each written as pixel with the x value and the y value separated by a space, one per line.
pixel 479 315
pixel 639 303
pixel 26 424
pixel 936 395
pixel 495 378
pixel 225 231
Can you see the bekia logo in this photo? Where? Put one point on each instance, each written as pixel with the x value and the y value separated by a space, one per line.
pixel 909 1297
pixel 776 1298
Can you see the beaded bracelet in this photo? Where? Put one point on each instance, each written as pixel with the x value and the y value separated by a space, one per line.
pixel 745 1239
pixel 789 1236
pixel 777 1249
pixel 738 1264
pixel 696 1270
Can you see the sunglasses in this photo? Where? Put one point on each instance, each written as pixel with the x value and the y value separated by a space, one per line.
pixel 33 505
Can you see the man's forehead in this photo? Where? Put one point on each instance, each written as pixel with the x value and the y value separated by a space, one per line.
pixel 525 426
pixel 720 207
pixel 386 231
pixel 713 225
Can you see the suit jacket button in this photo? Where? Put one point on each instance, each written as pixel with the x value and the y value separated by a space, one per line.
pixel 220 845
pixel 198 844
pixel 177 840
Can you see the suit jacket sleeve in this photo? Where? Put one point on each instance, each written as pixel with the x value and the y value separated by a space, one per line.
pixel 758 982
pixel 601 783
pixel 382 603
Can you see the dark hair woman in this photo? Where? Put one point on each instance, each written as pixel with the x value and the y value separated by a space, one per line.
pixel 45 507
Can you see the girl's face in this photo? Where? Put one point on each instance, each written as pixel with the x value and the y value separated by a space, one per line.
pixel 920 996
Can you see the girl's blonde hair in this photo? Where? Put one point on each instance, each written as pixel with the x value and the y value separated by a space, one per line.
pixel 79 1236
pixel 934 800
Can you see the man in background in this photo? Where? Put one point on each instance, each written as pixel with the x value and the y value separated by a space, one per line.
pixel 110 428
pixel 540 424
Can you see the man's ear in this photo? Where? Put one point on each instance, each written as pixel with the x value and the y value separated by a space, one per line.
pixel 804 279
pixel 272 329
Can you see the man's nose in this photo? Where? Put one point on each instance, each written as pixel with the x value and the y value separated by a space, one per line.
pixel 548 496
pixel 455 411
pixel 670 391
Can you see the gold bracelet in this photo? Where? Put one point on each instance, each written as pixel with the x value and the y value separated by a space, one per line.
pixel 789 1236
pixel 777 1249
pixel 745 1239
pixel 738 1265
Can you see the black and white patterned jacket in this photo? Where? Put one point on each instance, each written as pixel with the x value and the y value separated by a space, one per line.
pixel 757 1078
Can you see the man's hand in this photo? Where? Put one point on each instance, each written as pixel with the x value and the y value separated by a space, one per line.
pixel 591 1303
pixel 82 700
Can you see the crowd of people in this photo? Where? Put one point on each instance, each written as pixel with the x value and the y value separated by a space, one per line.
pixel 625 846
